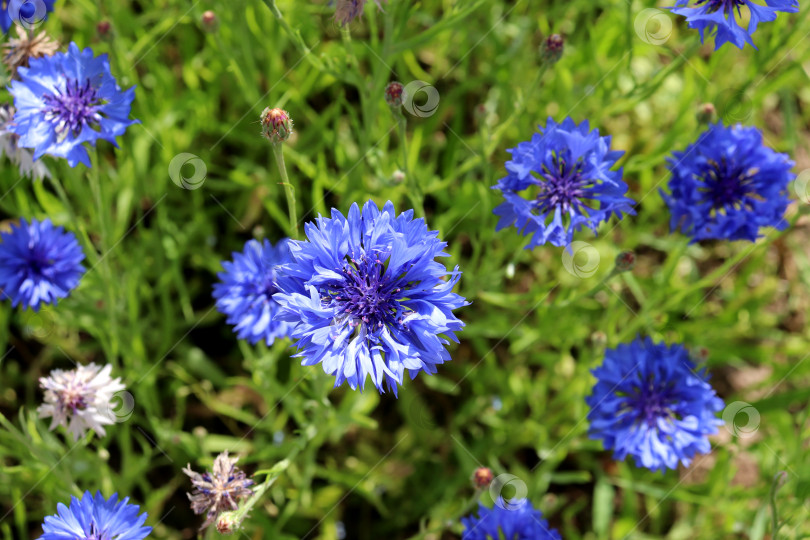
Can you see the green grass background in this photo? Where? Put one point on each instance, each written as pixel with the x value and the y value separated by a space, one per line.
pixel 513 397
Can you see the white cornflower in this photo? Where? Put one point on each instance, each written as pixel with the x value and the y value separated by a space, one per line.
pixel 21 157
pixel 80 399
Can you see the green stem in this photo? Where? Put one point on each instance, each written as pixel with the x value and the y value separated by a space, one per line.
pixel 62 194
pixel 778 481
pixel 289 191
pixel 237 516
pixel 296 37
pixel 414 190
pixel 596 288
pixel 299 43
pixel 95 186
pixel 466 509
pixel 363 89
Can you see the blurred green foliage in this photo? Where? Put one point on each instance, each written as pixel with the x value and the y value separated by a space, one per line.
pixel 513 397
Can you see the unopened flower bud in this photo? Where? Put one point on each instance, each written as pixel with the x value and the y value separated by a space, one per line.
pixel 276 124
pixel 104 31
pixel 397 177
pixel 227 523
pixel 699 354
pixel 625 261
pixel 599 338
pixel 552 49
pixel 482 477
pixel 393 94
pixel 209 21
pixel 706 114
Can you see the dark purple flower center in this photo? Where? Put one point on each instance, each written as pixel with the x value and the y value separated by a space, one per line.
pixel 650 402
pixel 265 288
pixel 367 294
pixel 724 5
pixel 73 398
pixel 73 109
pixel 38 263
pixel 727 185
pixel 563 186
pixel 95 534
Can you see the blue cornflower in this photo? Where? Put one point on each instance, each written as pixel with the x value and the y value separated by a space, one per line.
pixel 367 297
pixel 24 12
pixel 39 263
pixel 650 402
pixel 95 518
pixel 567 170
pixel 66 100
pixel 247 292
pixel 718 17
pixel 515 520
pixel 727 185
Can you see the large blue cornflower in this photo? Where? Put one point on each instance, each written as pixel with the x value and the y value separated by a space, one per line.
pixel 650 402
pixel 24 12
pixel 718 17
pixel 727 185
pixel 95 518
pixel 68 99
pixel 367 297
pixel 516 520
pixel 247 292
pixel 566 170
pixel 39 263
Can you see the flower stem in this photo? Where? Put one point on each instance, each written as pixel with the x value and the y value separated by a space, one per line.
pixel 82 232
pixel 298 41
pixel 778 481
pixel 414 190
pixel 95 186
pixel 237 516
pixel 288 189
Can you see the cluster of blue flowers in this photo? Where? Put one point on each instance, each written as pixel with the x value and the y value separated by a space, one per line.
pixel 365 294
pixel 727 185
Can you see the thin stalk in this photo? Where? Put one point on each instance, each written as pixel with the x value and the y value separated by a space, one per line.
pixel 95 186
pixel 466 509
pixel 414 189
pixel 299 43
pixel 596 288
pixel 778 481
pixel 296 36
pixel 289 191
pixel 236 517
pixel 62 194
